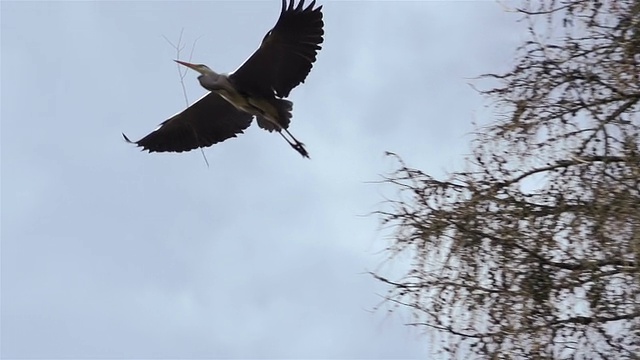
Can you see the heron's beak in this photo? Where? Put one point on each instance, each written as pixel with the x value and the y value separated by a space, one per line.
pixel 190 66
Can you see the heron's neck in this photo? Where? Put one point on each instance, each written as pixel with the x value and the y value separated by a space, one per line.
pixel 214 81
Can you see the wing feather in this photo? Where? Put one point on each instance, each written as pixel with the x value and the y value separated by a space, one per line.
pixel 208 121
pixel 287 53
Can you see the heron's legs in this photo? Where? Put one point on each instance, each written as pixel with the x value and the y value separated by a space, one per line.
pixel 293 137
pixel 296 145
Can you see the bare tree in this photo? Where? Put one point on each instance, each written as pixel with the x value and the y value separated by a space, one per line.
pixel 534 250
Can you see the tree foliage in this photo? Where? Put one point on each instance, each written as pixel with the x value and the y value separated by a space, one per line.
pixel 534 250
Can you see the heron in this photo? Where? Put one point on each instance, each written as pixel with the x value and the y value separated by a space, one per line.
pixel 258 88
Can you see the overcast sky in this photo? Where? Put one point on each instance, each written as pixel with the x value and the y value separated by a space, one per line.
pixel 115 253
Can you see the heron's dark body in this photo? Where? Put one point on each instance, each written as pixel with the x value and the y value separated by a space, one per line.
pixel 258 88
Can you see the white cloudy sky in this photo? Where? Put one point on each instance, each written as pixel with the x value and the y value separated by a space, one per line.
pixel 111 252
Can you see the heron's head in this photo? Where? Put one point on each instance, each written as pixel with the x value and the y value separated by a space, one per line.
pixel 201 68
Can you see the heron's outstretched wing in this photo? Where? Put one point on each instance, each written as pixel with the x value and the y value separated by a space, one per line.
pixel 209 120
pixel 286 54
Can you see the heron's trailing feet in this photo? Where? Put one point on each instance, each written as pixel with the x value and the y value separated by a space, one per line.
pixel 299 147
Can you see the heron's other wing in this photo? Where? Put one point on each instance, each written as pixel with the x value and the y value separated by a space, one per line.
pixel 286 54
pixel 209 120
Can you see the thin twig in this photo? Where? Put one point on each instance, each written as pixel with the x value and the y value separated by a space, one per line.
pixel 182 72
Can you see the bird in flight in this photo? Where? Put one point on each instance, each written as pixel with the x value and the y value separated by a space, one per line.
pixel 259 88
